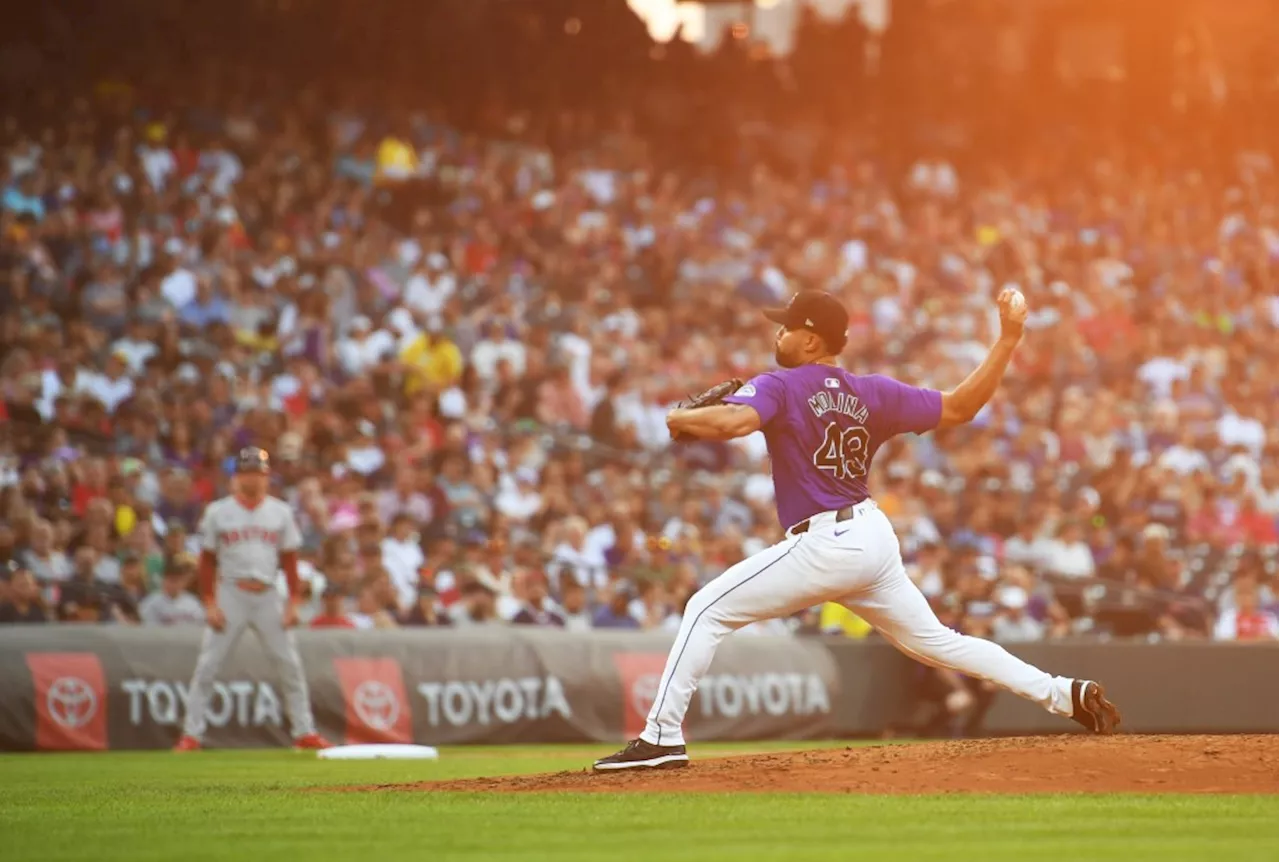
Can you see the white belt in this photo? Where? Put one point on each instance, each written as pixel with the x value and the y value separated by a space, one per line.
pixel 830 518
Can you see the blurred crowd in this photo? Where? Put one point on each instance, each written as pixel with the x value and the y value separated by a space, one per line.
pixel 459 349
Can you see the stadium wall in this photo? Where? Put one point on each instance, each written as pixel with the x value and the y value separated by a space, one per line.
pixel 125 688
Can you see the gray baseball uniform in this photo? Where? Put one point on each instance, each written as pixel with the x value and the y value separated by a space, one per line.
pixel 248 543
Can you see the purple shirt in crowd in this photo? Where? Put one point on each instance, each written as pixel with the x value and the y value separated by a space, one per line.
pixel 823 426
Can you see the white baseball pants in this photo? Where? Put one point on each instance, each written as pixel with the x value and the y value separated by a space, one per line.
pixel 264 613
pixel 858 563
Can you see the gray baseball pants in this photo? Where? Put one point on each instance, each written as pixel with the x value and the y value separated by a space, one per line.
pixel 264 613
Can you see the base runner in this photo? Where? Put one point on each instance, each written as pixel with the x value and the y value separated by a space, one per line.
pixel 247 538
pixel 823 425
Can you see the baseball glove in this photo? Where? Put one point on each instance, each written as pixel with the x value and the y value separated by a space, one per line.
pixel 714 395
pixel 709 397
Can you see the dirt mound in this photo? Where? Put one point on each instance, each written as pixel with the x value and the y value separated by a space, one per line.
pixel 1056 764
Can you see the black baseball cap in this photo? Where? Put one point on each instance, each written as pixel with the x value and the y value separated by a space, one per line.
pixel 253 460
pixel 817 311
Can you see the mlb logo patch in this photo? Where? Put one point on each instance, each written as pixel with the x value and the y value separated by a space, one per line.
pixel 832 383
pixel 746 391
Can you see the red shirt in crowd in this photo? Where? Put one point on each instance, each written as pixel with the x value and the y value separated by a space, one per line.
pixel 1206 525
pixel 187 160
pixel 82 495
pixel 1259 528
pixel 1103 330
pixel 1252 626
pixel 203 486
pixel 480 257
pixel 297 403
pixel 332 622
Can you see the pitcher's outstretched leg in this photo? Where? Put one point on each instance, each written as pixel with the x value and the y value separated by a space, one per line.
pixel 900 612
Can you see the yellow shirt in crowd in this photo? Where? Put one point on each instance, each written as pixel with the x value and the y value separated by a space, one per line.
pixel 126 520
pixel 836 618
pixel 436 364
pixel 396 159
pixel 889 503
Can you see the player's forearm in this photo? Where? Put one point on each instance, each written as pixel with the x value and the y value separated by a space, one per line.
pixel 289 563
pixel 963 403
pixel 718 422
pixel 206 574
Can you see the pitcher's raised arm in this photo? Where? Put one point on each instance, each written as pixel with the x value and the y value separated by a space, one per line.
pixel 961 404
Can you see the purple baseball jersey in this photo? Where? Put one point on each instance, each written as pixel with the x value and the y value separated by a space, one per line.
pixel 823 426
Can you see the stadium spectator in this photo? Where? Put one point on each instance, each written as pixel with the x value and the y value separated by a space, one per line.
pixel 1012 623
pixel 172 604
pixel 426 609
pixel 475 606
pixel 573 599
pixel 332 615
pixel 23 604
pixel 536 607
pixel 1245 620
pixel 42 559
pixel 403 559
pixel 615 611
pixel 1069 555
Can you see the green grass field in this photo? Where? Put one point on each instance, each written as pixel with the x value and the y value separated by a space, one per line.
pixel 253 805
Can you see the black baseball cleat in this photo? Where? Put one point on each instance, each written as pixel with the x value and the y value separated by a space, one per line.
pixel 1091 709
pixel 644 755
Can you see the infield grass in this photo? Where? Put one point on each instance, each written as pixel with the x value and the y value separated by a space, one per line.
pixel 253 805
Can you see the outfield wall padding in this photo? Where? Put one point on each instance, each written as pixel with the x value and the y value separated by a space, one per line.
pixel 105 687
pixel 116 687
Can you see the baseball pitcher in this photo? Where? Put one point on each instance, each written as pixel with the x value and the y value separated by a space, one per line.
pixel 823 426
pixel 246 539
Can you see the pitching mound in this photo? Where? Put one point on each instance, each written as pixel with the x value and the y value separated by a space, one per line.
pixel 1056 764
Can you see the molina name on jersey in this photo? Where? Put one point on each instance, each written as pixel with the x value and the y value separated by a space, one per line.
pixel 823 425
pixel 840 402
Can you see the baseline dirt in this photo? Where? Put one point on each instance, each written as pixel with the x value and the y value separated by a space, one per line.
pixel 1055 764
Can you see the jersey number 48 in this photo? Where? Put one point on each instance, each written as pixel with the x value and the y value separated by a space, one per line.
pixel 843 451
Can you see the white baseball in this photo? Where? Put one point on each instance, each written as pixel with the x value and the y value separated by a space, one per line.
pixel 1017 302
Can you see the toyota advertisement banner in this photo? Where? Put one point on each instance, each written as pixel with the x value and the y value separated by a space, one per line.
pixel 100 687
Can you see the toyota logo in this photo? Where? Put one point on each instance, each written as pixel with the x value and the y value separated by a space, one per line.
pixel 643 691
pixel 376 704
pixel 72 702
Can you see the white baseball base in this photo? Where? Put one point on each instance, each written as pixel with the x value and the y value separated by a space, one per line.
pixel 379 752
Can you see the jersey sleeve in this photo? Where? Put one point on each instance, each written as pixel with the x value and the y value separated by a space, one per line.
pixel 208 528
pixel 765 393
pixel 907 409
pixel 291 536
